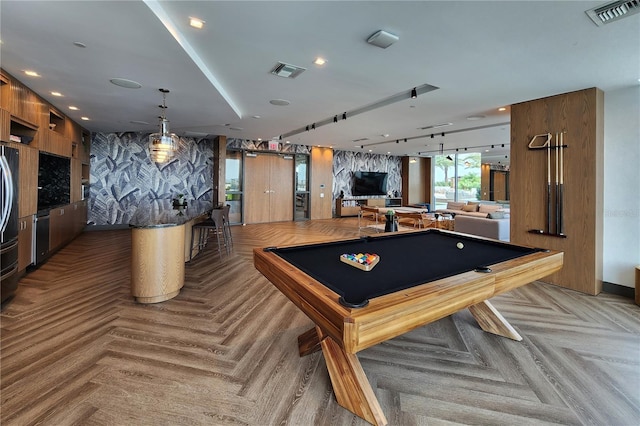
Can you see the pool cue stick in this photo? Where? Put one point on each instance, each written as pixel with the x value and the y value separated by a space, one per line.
pixel 560 189
pixel 549 186
pixel 557 199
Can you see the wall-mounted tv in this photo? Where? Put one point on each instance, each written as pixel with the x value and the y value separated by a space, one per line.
pixel 54 181
pixel 369 183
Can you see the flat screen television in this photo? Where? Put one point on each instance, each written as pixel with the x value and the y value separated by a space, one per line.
pixel 54 181
pixel 369 183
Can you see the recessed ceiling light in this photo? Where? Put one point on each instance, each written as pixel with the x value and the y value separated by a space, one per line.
pixel 235 128
pixel 279 102
pixel 84 118
pixel 127 84
pixel 79 44
pixel 56 93
pixel 73 108
pixel 256 117
pixel 196 23
pixel 144 123
pixel 259 139
pixel 502 109
pixel 385 135
pixel 320 61
pixel 475 117
pixel 31 73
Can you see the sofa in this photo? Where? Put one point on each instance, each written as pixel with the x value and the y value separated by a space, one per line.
pixel 475 208
pixel 482 218
pixel 497 229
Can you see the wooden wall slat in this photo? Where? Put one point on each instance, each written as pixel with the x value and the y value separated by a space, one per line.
pixel 581 115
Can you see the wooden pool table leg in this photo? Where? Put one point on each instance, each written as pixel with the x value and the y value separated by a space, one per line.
pixel 350 385
pixel 492 321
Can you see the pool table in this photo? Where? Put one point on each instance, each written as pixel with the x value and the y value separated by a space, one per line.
pixel 421 277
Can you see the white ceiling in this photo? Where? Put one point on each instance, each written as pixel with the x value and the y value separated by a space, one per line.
pixel 481 55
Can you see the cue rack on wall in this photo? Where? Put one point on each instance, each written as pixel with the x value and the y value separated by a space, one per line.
pixel 554 193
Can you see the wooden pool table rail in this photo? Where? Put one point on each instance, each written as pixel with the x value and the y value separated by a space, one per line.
pixel 341 332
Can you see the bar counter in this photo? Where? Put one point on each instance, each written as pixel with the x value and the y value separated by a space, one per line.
pixel 160 245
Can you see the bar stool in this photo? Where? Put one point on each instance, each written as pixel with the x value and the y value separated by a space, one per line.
pixel 227 227
pixel 206 229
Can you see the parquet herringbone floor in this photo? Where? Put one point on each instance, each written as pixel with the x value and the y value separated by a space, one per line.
pixel 76 349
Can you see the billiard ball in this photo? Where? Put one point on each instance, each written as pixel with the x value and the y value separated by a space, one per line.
pixel 460 246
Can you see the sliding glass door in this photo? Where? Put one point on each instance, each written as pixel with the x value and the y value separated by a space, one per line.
pixel 456 178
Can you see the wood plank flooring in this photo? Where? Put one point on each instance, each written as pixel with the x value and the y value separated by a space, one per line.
pixel 77 350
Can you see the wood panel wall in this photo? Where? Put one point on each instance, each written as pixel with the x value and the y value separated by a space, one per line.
pixel 581 115
pixel 219 169
pixel 321 173
pixel 416 180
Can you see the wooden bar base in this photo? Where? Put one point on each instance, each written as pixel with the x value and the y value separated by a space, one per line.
pixel 157 263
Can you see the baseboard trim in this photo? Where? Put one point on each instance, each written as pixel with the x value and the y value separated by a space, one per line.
pixel 619 290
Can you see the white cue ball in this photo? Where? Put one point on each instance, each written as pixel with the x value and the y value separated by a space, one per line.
pixel 460 246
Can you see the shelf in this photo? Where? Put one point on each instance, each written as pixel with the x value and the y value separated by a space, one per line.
pixel 56 121
pixel 22 130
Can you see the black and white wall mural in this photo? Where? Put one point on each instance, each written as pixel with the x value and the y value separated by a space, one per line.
pixel 345 163
pixel 122 175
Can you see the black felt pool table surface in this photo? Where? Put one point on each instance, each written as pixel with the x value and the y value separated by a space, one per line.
pixel 406 260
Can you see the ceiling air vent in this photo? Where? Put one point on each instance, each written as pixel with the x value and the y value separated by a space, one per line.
pixel 613 11
pixel 287 70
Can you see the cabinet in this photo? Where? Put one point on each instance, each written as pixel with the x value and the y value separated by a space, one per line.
pixel 28 186
pixel 61 225
pixel 79 217
pixel 24 103
pixel 65 223
pixel 5 92
pixel 25 241
pixel 351 206
pixel 76 180
pixel 348 207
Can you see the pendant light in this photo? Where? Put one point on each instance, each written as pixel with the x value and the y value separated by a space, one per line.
pixel 163 145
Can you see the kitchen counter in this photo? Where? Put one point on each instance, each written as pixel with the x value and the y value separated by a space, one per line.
pixel 162 213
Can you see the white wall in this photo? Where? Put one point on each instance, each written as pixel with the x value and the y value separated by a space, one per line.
pixel 621 251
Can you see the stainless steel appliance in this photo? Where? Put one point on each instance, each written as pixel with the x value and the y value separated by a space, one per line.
pixel 9 164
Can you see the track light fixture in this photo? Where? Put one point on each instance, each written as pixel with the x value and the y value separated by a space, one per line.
pixel 431 135
pixel 313 126
pixel 335 118
pixel 397 141
pixel 307 128
pixel 449 158
pixel 405 140
pixel 344 115
pixel 414 93
pixel 443 134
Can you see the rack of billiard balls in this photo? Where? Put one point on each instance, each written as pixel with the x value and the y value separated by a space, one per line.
pixel 363 261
